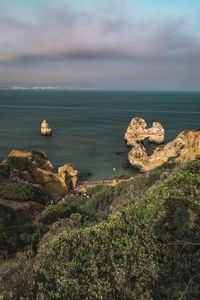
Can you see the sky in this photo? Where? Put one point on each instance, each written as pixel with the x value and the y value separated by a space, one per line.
pixel 105 44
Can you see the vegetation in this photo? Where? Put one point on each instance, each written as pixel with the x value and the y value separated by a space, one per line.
pixel 139 240
pixel 4 170
pixel 7 215
pixel 15 238
pixel 53 213
pixel 20 163
pixel 91 207
pixel 22 192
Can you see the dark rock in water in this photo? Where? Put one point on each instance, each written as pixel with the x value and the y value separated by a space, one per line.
pixel 83 176
pixel 125 164
pixel 119 152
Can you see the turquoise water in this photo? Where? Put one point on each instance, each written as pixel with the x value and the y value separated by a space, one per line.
pixel 89 126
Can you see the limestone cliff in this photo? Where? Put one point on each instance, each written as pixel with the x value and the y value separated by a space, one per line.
pixel 45 128
pixel 137 131
pixel 185 147
pixel 34 167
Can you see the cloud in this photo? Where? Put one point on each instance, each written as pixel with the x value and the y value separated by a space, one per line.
pixel 95 44
pixel 88 35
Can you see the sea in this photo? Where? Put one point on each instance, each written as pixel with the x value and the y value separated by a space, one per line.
pixel 88 126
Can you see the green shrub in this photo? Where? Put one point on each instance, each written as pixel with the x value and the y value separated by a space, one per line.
pixel 148 249
pixel 22 192
pixel 180 185
pixel 15 238
pixel 7 215
pixel 194 166
pixel 99 200
pixel 91 209
pixel 4 171
pixel 112 260
pixel 16 275
pixel 20 163
pixel 53 213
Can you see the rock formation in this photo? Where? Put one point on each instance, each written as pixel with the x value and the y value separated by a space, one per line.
pixel 137 131
pixel 68 174
pixel 45 128
pixel 185 147
pixel 34 167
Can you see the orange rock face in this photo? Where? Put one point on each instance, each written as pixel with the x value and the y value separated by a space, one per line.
pixel 137 131
pixel 185 147
pixel 34 167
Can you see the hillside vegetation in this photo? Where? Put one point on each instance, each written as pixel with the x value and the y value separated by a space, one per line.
pixel 139 240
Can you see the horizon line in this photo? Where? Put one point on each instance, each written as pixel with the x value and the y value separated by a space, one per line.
pixel 63 88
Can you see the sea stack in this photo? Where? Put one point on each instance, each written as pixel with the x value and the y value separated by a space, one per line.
pixel 185 147
pixel 45 128
pixel 138 131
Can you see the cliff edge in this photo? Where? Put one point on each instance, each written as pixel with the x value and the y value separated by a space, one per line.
pixel 35 168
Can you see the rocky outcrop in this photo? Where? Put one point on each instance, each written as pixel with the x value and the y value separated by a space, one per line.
pixel 185 147
pixel 137 131
pixel 34 167
pixel 45 128
pixel 68 174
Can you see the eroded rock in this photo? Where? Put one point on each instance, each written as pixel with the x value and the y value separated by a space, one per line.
pixel 137 131
pixel 45 128
pixel 185 147
pixel 34 167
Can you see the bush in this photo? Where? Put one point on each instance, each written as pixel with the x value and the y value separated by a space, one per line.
pixel 177 233
pixel 112 260
pixel 15 238
pixel 193 166
pixel 16 275
pixel 4 171
pixel 91 209
pixel 7 215
pixel 180 185
pixel 96 207
pixel 149 249
pixel 20 163
pixel 146 251
pixel 53 213
pixel 22 192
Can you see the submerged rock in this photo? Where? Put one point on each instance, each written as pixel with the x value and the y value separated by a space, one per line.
pixel 45 128
pixel 34 167
pixel 137 131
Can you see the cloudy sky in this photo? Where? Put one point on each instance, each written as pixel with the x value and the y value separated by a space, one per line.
pixel 111 44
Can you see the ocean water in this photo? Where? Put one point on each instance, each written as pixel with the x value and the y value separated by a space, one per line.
pixel 89 126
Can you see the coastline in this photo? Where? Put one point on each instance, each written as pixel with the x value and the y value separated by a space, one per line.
pixel 83 187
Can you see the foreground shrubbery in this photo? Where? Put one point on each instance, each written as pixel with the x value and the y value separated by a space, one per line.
pixel 15 238
pixel 22 192
pixel 100 200
pixel 91 208
pixel 7 215
pixel 148 249
pixel 4 171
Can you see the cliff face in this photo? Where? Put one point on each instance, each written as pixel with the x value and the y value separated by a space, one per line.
pixel 137 131
pixel 34 167
pixel 185 147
